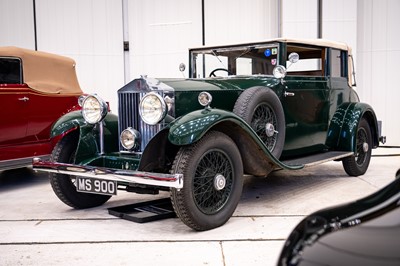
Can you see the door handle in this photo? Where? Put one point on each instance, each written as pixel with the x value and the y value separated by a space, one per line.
pixel 24 99
pixel 286 94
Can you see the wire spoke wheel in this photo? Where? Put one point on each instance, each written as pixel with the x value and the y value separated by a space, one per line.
pixel 358 163
pixel 264 123
pixel 362 146
pixel 213 180
pixel 213 167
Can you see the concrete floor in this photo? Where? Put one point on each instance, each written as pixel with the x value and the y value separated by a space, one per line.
pixel 38 229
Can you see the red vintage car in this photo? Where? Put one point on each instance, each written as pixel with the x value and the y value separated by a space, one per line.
pixel 36 89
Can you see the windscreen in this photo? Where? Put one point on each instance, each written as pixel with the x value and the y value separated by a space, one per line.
pixel 239 60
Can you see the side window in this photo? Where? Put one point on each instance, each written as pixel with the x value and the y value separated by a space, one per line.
pixel 311 62
pixel 337 63
pixel 10 70
pixel 263 60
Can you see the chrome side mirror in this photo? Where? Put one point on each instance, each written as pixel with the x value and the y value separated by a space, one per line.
pixel 182 68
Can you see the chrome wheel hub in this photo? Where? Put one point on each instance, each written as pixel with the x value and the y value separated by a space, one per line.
pixel 270 130
pixel 365 147
pixel 219 182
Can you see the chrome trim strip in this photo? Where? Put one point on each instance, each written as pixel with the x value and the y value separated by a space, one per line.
pixel 138 177
pixel 20 162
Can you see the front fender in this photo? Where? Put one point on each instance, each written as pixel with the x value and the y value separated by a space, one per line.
pixel 88 145
pixel 66 123
pixel 190 128
pixel 342 132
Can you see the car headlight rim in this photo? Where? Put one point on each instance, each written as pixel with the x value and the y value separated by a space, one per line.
pixel 94 109
pixel 152 108
pixel 130 138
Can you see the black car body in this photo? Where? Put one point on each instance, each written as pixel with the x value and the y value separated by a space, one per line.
pixel 364 232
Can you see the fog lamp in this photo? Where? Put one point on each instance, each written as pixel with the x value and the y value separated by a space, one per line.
pixel 130 138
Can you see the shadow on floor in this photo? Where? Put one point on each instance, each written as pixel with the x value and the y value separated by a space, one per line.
pixel 16 178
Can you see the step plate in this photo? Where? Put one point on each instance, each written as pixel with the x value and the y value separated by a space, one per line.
pixel 144 212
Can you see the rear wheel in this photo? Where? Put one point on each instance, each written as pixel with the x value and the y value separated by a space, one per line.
pixel 64 186
pixel 213 181
pixel 358 163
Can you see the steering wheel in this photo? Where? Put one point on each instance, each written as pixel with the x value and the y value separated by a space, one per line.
pixel 212 74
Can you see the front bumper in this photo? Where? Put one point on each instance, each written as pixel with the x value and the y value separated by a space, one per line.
pixel 125 176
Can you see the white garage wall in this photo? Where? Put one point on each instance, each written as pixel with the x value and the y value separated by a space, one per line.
pixel 299 19
pixel 236 21
pixel 378 51
pixel 16 23
pixel 340 22
pixel 160 33
pixel 90 31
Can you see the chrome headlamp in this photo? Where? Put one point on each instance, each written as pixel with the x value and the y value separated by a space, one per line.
pixel 94 109
pixel 152 108
pixel 130 138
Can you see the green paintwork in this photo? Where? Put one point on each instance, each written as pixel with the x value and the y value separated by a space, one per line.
pixel 342 133
pixel 67 122
pixel 224 92
pixel 187 90
pixel 114 161
pixel 88 145
pixel 192 127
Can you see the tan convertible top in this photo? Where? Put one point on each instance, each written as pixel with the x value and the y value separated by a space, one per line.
pixel 46 72
pixel 315 42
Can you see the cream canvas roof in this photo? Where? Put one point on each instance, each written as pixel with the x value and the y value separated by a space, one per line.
pixel 316 42
pixel 46 72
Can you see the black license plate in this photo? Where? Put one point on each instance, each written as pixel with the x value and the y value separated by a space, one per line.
pixel 96 186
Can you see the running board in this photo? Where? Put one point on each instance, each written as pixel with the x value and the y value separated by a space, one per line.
pixel 319 158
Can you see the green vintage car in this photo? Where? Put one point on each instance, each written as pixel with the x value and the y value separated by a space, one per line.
pixel 245 109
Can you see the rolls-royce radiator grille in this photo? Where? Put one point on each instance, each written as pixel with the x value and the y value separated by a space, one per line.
pixel 128 116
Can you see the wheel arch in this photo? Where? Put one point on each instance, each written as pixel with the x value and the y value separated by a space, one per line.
pixel 344 123
pixel 257 159
pixel 370 116
pixel 88 144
